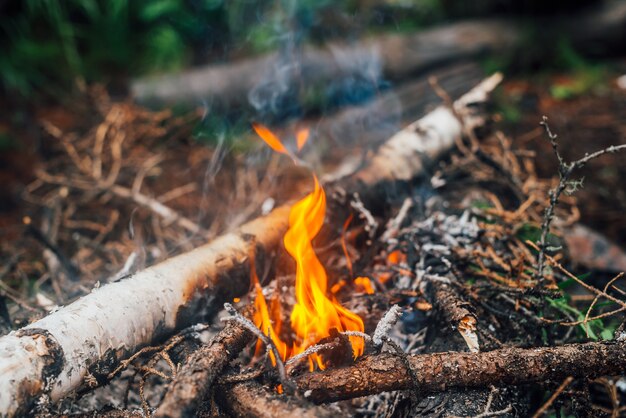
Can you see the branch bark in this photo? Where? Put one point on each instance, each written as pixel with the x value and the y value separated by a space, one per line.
pixel 441 371
pixel 52 356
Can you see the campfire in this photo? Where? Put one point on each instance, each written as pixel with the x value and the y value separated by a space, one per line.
pixel 341 265
pixel 316 313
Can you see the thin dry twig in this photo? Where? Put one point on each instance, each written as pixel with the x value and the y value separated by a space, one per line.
pixel 565 171
pixel 552 398
pixel 269 344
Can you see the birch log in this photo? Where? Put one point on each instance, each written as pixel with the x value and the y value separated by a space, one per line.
pixel 51 358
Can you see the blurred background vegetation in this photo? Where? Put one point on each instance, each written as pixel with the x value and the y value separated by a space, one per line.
pixel 50 47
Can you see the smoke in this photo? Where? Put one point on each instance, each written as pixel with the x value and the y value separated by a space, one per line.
pixel 302 80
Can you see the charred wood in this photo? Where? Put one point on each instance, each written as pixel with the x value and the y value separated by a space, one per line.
pixel 192 383
pixel 457 311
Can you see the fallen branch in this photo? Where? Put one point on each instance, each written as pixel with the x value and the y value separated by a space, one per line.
pixel 192 383
pixel 442 371
pixel 233 85
pixel 395 56
pixel 51 357
pixel 409 151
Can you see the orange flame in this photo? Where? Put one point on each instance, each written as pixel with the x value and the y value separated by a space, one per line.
pixel 274 143
pixel 263 316
pixel 301 137
pixel 344 246
pixel 315 312
pixel 270 139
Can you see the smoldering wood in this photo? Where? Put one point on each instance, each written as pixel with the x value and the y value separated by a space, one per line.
pixel 191 385
pixel 196 380
pixel 600 30
pixel 441 371
pixel 250 399
pixel 51 358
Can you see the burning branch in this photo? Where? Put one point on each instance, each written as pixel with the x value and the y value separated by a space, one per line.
pixel 55 354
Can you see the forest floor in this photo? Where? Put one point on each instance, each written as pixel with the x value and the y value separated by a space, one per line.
pixel 212 189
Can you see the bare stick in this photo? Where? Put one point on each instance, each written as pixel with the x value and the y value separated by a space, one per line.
pixel 565 171
pixel 555 395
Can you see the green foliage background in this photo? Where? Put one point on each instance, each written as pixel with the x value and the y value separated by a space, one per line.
pixel 48 44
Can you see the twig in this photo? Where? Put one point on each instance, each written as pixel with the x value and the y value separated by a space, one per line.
pixel 394 224
pixel 269 344
pixel 384 325
pixel 168 214
pixel 565 171
pixel 364 213
pixel 579 281
pixel 555 395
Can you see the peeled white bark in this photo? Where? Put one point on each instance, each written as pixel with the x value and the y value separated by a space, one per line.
pixel 53 357
pixel 404 154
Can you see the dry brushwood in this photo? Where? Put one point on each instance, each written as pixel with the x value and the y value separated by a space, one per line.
pixel 51 357
pixel 442 371
pixel 565 185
